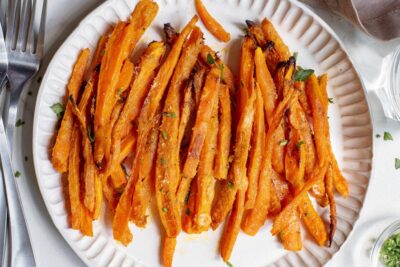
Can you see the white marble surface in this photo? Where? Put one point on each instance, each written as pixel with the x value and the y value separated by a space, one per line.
pixel 382 201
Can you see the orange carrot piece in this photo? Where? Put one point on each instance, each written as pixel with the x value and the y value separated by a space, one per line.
pixel 256 150
pixel 205 178
pixel 291 237
pixel 272 35
pixel 74 180
pixel 167 164
pixel 211 23
pixel 117 51
pixel 168 249
pixel 332 205
pixel 224 134
pixel 146 122
pixel 98 54
pixel 208 100
pixel 61 149
pixel 246 70
pixel 186 111
pixel 237 177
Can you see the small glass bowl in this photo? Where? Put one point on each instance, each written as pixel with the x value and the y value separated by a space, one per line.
pixel 392 229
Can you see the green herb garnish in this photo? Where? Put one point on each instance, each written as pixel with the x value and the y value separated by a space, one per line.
pixel 229 264
pixel 210 59
pixel 17 174
pixel 378 136
pixel 330 100
pixel 387 136
pixel 390 251
pixel 299 144
pixel 283 142
pixel 302 74
pixel 169 114
pixel 164 209
pixel 19 123
pixel 397 163
pixel 295 54
pixel 164 135
pixel 222 71
pixel 58 109
pixel 163 161
pixel 231 185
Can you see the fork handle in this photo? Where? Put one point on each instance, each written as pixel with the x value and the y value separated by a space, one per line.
pixel 3 204
pixel 21 248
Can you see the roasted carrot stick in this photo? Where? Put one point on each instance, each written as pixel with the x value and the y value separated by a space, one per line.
pixel 188 105
pixel 237 176
pixel 211 24
pixel 291 237
pixel 332 205
pixel 256 150
pixel 208 100
pixel 168 249
pixel 167 164
pixel 246 71
pixel 74 180
pixel 205 178
pixel 117 51
pixel 146 122
pixel 146 71
pixel 142 194
pixel 271 34
pixel 224 134
pixel 98 54
pixel 62 145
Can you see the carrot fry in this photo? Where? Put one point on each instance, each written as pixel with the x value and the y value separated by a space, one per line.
pixel 142 194
pixel 211 24
pixel 168 249
pixel 246 71
pixel 256 32
pixel 205 177
pixel 208 100
pixel 125 77
pixel 186 111
pixel 232 227
pixel 291 237
pixel 224 134
pixel 274 202
pixel 271 34
pixel 237 175
pixel 117 51
pixel 74 180
pixel 269 94
pixel 62 145
pixel 198 82
pixel 332 205
pixel 256 216
pixel 257 147
pixel 146 71
pixel 167 165
pixel 313 222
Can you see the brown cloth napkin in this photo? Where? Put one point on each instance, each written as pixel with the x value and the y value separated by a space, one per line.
pixel 378 18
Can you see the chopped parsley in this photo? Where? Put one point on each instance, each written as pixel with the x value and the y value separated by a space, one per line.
pixel 222 71
pixel 164 209
pixel 169 114
pixel 163 161
pixel 378 136
pixel 58 109
pixel 283 142
pixel 17 174
pixel 295 54
pixel 164 135
pixel 231 185
pixel 390 251
pixel 229 264
pixel 210 59
pixel 330 100
pixel 19 123
pixel 397 163
pixel 387 136
pixel 302 74
pixel 299 144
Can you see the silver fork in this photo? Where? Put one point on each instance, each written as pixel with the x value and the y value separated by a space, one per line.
pixel 25 51
pixel 3 204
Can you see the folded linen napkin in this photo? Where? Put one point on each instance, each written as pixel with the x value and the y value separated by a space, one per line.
pixel 378 18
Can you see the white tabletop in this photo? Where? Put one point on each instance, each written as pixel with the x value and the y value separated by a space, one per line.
pixel 382 200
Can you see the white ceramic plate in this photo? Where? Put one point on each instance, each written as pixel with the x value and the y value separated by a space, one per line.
pixel 317 47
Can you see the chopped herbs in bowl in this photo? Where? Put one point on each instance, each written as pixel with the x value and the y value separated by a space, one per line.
pixel 390 251
pixel 386 251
